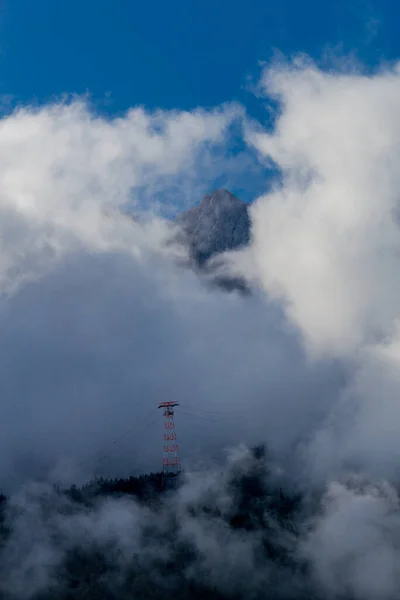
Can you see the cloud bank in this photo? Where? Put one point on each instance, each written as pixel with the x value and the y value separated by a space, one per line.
pixel 327 241
pixel 329 235
pixel 99 323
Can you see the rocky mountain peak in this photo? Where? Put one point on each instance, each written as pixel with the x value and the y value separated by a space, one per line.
pixel 220 222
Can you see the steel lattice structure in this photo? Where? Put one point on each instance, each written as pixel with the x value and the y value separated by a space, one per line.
pixel 171 460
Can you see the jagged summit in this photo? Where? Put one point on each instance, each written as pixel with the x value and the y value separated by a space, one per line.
pixel 221 199
pixel 220 222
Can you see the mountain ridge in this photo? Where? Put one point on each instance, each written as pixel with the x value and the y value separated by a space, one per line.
pixel 220 222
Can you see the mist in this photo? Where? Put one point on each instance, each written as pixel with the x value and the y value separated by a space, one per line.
pixel 100 322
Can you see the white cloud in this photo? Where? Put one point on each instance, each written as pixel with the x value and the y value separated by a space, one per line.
pixel 353 544
pixel 98 323
pixel 327 247
pixel 327 242
pixel 62 167
pixel 102 324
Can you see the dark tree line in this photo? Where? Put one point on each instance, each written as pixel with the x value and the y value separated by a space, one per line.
pixel 259 509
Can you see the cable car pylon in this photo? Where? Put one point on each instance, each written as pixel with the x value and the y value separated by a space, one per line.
pixel 171 467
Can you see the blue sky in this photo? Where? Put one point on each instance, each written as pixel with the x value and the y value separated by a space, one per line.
pixel 178 54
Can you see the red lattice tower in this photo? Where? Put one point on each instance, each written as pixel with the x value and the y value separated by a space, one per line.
pixel 171 461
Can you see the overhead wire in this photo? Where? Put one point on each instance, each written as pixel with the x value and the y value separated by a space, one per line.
pixel 188 411
pixel 186 414
pixel 125 433
pixel 233 412
pixel 125 436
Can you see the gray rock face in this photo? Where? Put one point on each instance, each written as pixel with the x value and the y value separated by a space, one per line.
pixel 219 223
